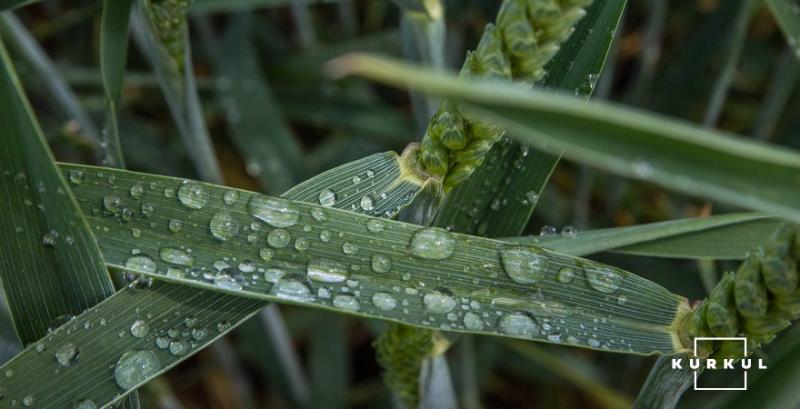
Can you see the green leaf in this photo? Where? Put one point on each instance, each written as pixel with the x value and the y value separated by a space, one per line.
pixel 787 13
pixel 256 125
pixel 12 4
pixel 664 386
pixel 728 236
pixel 168 52
pixel 499 198
pixel 343 250
pixel 624 141
pixel 50 265
pixel 113 56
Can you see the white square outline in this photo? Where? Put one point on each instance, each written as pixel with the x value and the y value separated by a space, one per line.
pixel 694 350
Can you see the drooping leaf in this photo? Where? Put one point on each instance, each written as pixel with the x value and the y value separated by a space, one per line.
pixel 624 141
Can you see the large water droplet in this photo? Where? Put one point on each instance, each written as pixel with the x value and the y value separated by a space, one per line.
pixel 525 265
pixel 603 279
pixel 223 226
pixel 381 263
pixel 137 190
pixel 192 195
pixel 473 321
pixel 327 197
pixel 438 302
pixel 565 275
pixel 367 203
pixel 176 256
pixel 272 275
pixel 346 302
pixel 275 211
pixel 432 243
pixel 112 203
pixel 229 279
pixel 135 367
pixel 140 329
pixel 230 197
pixel 67 354
pixel 326 271
pixel 278 238
pixel 518 325
pixel 384 301
pixel 293 290
pixel 141 263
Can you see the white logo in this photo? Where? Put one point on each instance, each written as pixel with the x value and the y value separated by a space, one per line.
pixel 725 364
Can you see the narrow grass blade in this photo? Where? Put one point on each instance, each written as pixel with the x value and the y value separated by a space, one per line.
pixel 331 259
pixel 624 141
pixel 664 386
pixel 784 81
pixel 170 55
pixel 788 17
pixel 113 56
pixel 499 198
pixel 12 4
pixel 256 124
pixel 51 267
pixel 721 237
pixel 137 318
pixel 21 41
pixel 330 362
pixel 571 369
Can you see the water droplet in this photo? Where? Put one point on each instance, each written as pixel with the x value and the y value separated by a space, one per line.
pixel 432 243
pixel 548 230
pixel 319 214
pixel 367 203
pixel 473 321
pixel 324 270
pixel 140 329
pixel 175 273
pixel 112 203
pixel 356 180
pixel 274 211
pixel 642 168
pixel 230 197
pixel 223 227
pixel 192 195
pixel 301 244
pixel 569 231
pixel 346 302
pixel 518 325
pixel 278 238
pixel 28 400
pixel 381 263
pixel 603 279
pixel 525 265
pixel 49 240
pixel 177 348
pixel 375 225
pixel 325 236
pixel 438 302
pixel 565 275
pixel 229 279
pixel 137 190
pixel 75 177
pixel 67 354
pixel 141 263
pixel 175 225
pixel 87 404
pixel 272 275
pixel 247 266
pixel 384 301
pixel 147 209
pixel 266 254
pixel 349 248
pixel 622 300
pixel 290 289
pixel 327 197
pixel 176 256
pixel 162 342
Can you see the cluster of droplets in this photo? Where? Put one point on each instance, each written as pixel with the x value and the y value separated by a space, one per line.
pixel 364 193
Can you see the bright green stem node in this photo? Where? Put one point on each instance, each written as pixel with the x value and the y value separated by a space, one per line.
pixel 756 302
pixel 528 34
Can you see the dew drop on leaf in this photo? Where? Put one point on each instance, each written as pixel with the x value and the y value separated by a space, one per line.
pixel 177 348
pixel 438 302
pixel 518 325
pixel 384 301
pixel 274 211
pixel 565 275
pixel 272 275
pixel 324 270
pixel 137 190
pixel 472 321
pixel 381 263
pixel 375 226
pixel 176 256
pixel 346 302
pixel 278 238
pixel 432 243
pixel 140 329
pixel 327 197
pixel 230 197
pixel 223 226
pixel 87 404
pixel 175 225
pixel 603 279
pixel 141 263
pixel 367 203
pixel 266 254
pixel 292 290
pixel 67 354
pixel 229 279
pixel 319 214
pixel 112 203
pixel 75 177
pixel 349 248
pixel 193 195
pixel 524 265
